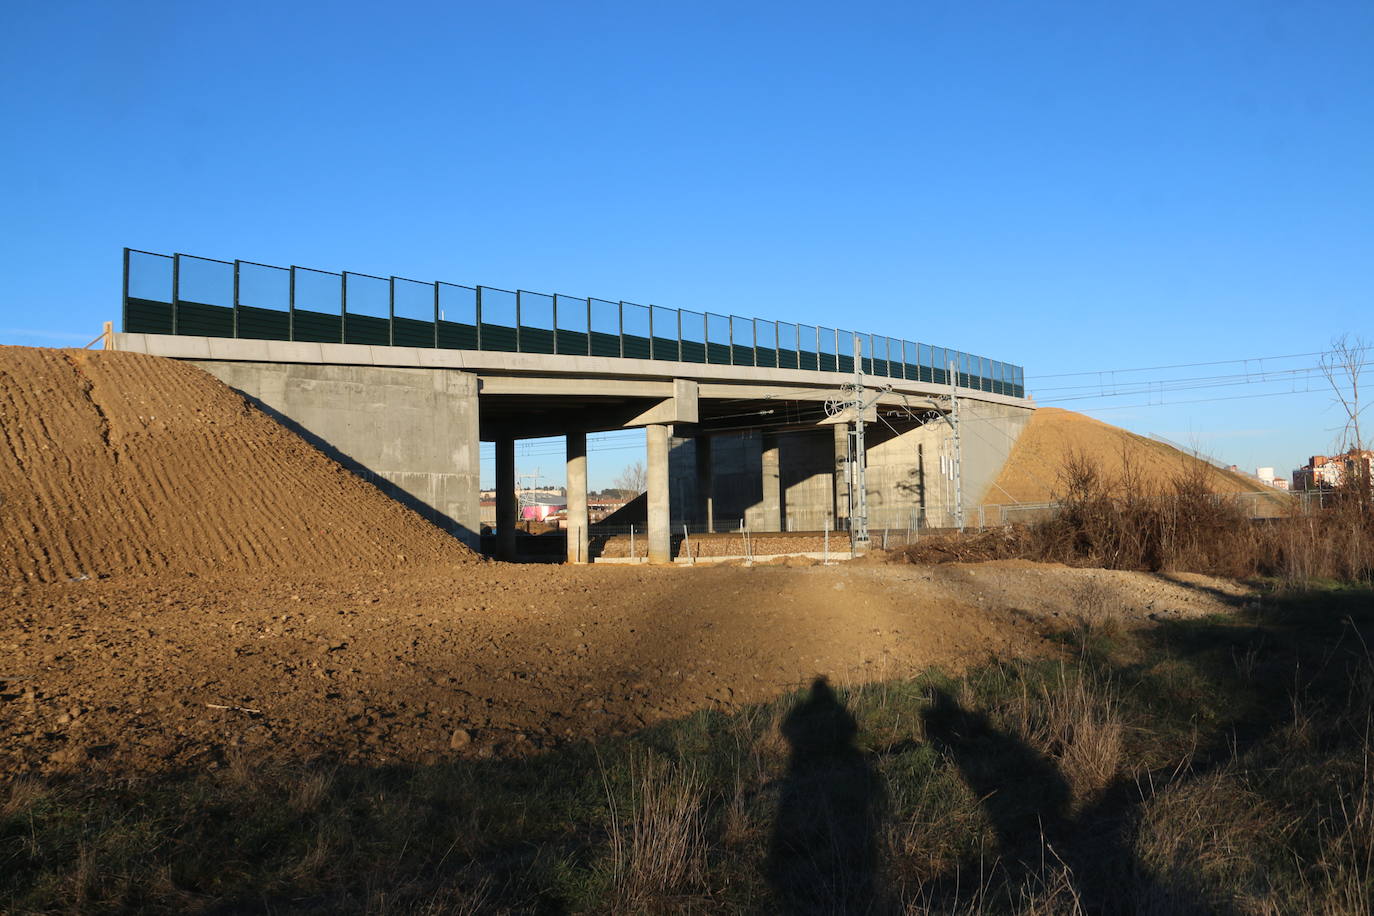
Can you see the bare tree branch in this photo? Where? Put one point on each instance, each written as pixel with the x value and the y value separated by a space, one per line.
pixel 1343 365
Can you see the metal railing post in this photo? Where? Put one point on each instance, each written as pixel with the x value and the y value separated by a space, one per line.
pixel 176 290
pixel 478 316
pixel 436 314
pixel 124 305
pixel 236 297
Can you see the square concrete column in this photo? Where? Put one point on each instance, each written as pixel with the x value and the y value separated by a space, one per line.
pixel 577 498
pixel 706 504
pixel 505 499
pixel 841 509
pixel 660 539
pixel 770 505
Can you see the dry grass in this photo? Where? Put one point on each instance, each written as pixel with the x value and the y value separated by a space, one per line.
pixel 657 847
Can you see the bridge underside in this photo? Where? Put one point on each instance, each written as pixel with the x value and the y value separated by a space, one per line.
pixel 724 444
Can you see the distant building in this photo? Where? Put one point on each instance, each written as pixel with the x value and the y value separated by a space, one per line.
pixel 1270 479
pixel 1323 472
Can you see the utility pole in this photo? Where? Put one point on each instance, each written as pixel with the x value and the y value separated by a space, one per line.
pixel 856 399
pixel 858 493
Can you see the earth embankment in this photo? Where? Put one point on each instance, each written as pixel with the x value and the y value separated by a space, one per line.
pixel 1035 468
pixel 119 463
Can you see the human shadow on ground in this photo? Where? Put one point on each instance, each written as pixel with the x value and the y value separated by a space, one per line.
pixel 1028 802
pixel 824 854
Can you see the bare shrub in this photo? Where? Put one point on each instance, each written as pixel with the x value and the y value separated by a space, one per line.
pixel 658 849
pixel 1092 606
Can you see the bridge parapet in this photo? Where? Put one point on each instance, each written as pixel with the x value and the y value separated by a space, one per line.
pixel 185 295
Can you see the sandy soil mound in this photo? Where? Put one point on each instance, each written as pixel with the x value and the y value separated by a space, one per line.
pixel 116 463
pixel 151 674
pixel 1032 472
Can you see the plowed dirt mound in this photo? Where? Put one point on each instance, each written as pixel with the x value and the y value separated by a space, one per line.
pixel 1032 472
pixel 114 463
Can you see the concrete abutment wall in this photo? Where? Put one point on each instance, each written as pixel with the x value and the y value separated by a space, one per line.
pixel 412 432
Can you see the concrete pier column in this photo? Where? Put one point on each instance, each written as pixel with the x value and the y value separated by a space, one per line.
pixel 841 508
pixel 706 503
pixel 577 498
pixel 656 446
pixel 770 506
pixel 505 499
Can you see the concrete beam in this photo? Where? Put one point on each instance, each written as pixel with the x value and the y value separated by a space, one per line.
pixel 660 537
pixel 577 498
pixel 544 385
pixel 680 408
pixel 488 362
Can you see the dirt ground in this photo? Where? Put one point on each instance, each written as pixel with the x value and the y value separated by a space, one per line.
pixel 144 674
pixel 182 580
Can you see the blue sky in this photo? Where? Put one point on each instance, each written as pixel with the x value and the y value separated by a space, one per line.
pixel 1069 186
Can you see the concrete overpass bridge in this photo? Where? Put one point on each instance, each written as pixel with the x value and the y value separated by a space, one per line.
pixel 401 381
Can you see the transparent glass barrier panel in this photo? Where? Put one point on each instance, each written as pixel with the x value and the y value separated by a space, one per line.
pixel 497 310
pixel 572 314
pixel 665 332
pixel 413 299
pixel 573 324
pixel 457 304
pixel 264 302
pixel 693 336
pixel 844 347
pixel 457 317
pixel 787 345
pixel 367 310
pixel 413 304
pixel 205 297
pixel 717 339
pixel 634 323
pixel 765 343
pixel 365 295
pixel 536 310
pixel 150 277
pixel 605 318
pixel 205 281
pixel 536 322
pixel 741 341
pixel 316 306
pixel 807 354
pixel 264 287
pixel 317 291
